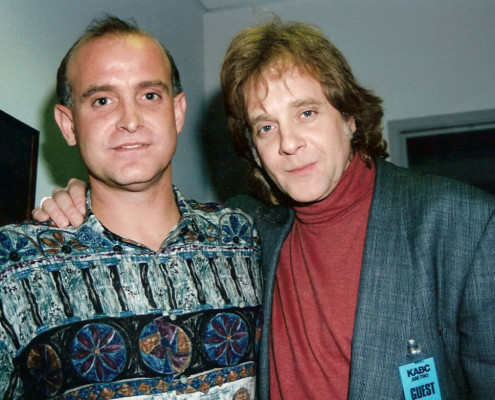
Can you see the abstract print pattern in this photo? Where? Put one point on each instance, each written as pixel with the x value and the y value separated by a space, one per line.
pixel 165 347
pixel 226 338
pixel 98 352
pixel 45 366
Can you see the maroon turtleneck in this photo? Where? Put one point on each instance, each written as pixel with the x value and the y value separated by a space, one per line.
pixel 315 294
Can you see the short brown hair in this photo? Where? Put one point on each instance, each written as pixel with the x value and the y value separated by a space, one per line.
pixel 305 47
pixel 109 25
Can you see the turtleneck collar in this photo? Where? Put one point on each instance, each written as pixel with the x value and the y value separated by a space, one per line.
pixel 355 185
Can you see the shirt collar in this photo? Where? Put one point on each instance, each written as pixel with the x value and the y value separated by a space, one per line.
pixel 188 222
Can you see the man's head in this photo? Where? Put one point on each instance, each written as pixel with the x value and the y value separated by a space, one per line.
pixel 123 111
pixel 109 26
pixel 270 55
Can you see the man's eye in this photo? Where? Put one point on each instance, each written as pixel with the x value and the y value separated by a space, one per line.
pixel 102 101
pixel 307 113
pixel 264 129
pixel 151 96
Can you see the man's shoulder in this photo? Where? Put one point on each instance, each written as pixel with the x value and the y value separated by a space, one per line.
pixel 29 240
pixel 417 193
pixel 246 203
pixel 429 185
pixel 27 227
pixel 229 224
pixel 209 215
pixel 213 210
pixel 19 241
pixel 263 214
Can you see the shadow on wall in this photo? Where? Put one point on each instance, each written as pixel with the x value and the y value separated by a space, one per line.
pixel 228 173
pixel 63 161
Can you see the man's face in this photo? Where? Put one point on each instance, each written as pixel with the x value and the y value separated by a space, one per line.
pixel 124 117
pixel 301 139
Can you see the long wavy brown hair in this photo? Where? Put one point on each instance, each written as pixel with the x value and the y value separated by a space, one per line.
pixel 273 44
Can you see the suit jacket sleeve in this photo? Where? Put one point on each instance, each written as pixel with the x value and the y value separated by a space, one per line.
pixel 477 319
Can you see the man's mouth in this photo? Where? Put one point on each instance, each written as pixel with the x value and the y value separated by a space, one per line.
pixel 302 168
pixel 131 146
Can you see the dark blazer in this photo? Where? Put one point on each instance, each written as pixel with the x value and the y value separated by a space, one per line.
pixel 427 274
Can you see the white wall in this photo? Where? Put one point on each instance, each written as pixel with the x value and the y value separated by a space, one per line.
pixel 422 57
pixel 34 37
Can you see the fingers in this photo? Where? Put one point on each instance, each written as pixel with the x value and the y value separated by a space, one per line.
pixel 39 215
pixel 50 209
pixel 77 191
pixel 66 206
pixel 62 209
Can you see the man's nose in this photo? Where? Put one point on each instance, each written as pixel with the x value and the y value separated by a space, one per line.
pixel 130 116
pixel 290 140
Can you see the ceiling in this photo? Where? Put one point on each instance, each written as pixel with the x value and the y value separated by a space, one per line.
pixel 215 5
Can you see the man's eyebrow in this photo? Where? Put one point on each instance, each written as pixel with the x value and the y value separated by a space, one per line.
pixel 154 84
pixel 305 102
pixel 95 89
pixel 258 119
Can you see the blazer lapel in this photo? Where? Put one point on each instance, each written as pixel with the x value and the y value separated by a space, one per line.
pixel 383 313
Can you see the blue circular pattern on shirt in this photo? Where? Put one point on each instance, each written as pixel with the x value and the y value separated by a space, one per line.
pixel 226 339
pixel 98 352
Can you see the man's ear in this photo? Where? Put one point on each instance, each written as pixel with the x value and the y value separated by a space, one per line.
pixel 180 106
pixel 63 116
pixel 351 123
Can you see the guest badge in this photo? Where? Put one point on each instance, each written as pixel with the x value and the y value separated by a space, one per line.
pixel 420 380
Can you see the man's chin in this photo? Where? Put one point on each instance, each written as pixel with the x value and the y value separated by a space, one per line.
pixel 305 198
pixel 129 184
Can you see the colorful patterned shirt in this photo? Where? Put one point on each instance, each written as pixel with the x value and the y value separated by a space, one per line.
pixel 86 314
